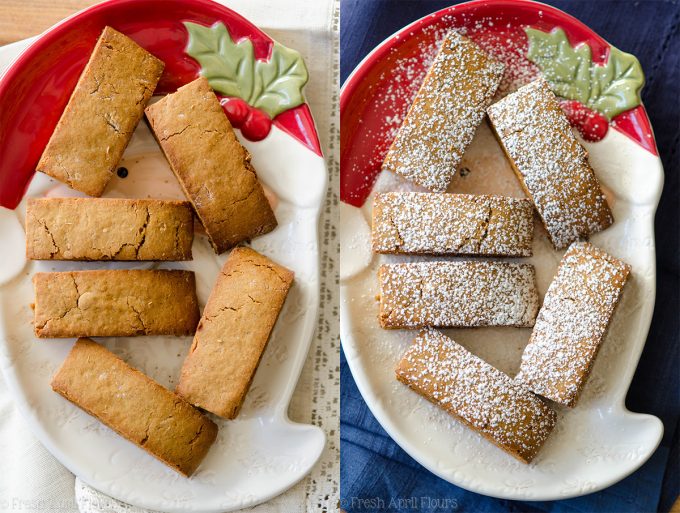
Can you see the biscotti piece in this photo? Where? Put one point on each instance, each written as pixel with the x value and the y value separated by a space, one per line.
pixel 115 303
pixel 108 229
pixel 502 410
pixel 445 114
pixel 135 406
pixel 572 323
pixel 233 332
pixel 102 113
pixel 457 294
pixel 452 224
pixel 211 165
pixel 550 163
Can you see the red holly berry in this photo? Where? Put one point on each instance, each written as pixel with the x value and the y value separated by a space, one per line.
pixel 256 126
pixel 236 110
pixel 591 124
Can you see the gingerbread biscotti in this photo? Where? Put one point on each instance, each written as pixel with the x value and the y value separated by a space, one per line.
pixel 550 163
pixel 445 114
pixel 102 113
pixel 135 406
pixel 501 409
pixel 572 323
pixel 461 294
pixel 453 224
pixel 108 229
pixel 115 303
pixel 212 166
pixel 233 333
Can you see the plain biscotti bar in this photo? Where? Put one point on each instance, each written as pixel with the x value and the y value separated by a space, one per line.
pixel 116 303
pixel 550 163
pixel 445 114
pixel 572 323
pixel 453 224
pixel 212 166
pixel 502 410
pixel 457 294
pixel 135 406
pixel 233 332
pixel 108 229
pixel 102 113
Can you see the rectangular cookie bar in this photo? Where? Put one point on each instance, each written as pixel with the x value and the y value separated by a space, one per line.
pixel 233 333
pixel 452 224
pixel 135 406
pixel 550 163
pixel 572 323
pixel 212 166
pixel 115 303
pixel 108 229
pixel 445 114
pixel 102 113
pixel 487 400
pixel 457 294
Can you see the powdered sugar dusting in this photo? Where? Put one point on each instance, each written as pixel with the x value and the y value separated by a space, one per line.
pixel 489 401
pixel 572 322
pixel 455 224
pixel 445 114
pixel 457 294
pixel 551 163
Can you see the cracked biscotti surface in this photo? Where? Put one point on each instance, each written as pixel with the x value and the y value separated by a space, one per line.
pixel 108 229
pixel 102 113
pixel 501 409
pixel 457 294
pixel 453 224
pixel 550 163
pixel 572 323
pixel 211 165
pixel 445 114
pixel 115 303
pixel 135 406
pixel 233 333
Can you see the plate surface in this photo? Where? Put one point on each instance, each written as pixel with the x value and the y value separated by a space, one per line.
pixel 260 454
pixel 597 443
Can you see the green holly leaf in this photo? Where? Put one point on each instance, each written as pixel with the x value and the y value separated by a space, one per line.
pixel 279 81
pixel 617 84
pixel 567 69
pixel 610 89
pixel 228 66
pixel 272 86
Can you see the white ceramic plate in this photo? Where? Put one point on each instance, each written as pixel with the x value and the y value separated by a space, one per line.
pixel 258 455
pixel 594 445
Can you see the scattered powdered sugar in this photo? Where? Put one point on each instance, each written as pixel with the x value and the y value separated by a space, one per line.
pixel 489 401
pixel 457 294
pixel 443 118
pixel 572 322
pixel 460 224
pixel 551 163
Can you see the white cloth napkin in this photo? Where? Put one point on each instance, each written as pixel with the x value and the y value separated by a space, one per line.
pixel 32 480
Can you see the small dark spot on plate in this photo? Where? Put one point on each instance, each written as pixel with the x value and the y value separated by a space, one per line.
pixel 122 172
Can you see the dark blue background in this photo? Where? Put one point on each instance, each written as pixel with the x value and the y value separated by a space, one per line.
pixel 372 464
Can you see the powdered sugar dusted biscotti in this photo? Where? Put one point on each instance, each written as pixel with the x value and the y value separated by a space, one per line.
pixel 550 163
pixel 457 294
pixel 502 410
pixel 572 322
pixel 444 116
pixel 454 224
